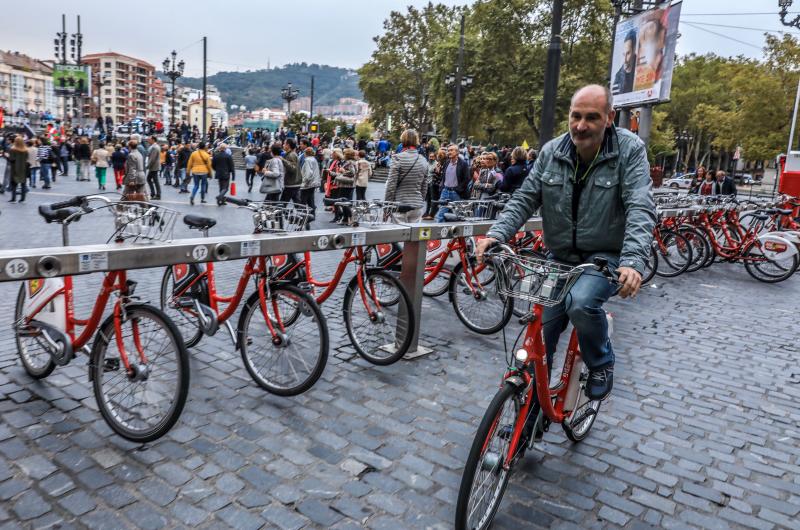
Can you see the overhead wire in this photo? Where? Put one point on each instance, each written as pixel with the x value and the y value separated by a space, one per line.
pixel 701 28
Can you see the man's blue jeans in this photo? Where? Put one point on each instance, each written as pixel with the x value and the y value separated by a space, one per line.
pixel 583 306
pixel 446 195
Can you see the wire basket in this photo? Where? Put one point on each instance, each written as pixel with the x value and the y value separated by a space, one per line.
pixel 474 210
pixel 373 213
pixel 532 279
pixel 141 222
pixel 281 217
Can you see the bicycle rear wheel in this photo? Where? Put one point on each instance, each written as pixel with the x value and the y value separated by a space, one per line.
pixel 380 333
pixel 650 265
pixel 484 480
pixel 289 364
pixel 185 319
pixel 438 285
pixel 476 301
pixel 33 351
pixel 142 404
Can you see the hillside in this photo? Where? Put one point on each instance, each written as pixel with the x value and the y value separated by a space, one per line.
pixel 262 88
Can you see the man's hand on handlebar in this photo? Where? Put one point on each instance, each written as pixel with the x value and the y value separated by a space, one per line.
pixel 484 245
pixel 629 280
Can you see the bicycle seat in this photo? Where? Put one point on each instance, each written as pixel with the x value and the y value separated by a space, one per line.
pixel 327 201
pixel 198 221
pixel 451 217
pixel 761 217
pixel 404 208
pixel 57 216
pixel 785 212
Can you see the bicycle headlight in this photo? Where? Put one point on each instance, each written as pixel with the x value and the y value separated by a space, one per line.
pixel 521 355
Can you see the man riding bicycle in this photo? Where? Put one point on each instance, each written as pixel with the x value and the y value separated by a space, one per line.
pixel 594 189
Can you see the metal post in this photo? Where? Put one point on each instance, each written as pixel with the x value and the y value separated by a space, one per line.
pixel 459 76
pixel 551 76
pixel 617 16
pixel 172 109
pixel 645 123
pixel 775 185
pixel 311 110
pixel 205 81
pixel 412 277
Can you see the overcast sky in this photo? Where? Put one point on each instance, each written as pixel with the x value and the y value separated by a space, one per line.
pixel 245 34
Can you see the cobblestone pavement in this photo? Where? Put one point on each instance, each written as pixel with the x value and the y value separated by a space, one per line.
pixel 701 431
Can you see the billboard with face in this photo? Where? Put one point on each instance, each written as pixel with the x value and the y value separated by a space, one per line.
pixel 644 55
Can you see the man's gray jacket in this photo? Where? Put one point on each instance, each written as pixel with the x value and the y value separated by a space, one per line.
pixel 154 158
pixel 616 213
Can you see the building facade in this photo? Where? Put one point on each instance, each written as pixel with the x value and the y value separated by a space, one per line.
pixel 127 88
pixel 26 84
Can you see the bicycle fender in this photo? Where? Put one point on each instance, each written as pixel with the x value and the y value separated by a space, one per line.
pixel 793 236
pixel 515 380
pixel 774 246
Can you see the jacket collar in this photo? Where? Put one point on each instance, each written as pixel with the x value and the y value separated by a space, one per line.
pixel 565 150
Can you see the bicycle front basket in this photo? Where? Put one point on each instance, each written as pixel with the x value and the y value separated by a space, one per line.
pixel 142 222
pixel 535 280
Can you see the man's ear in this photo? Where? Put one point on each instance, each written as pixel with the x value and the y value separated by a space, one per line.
pixel 610 119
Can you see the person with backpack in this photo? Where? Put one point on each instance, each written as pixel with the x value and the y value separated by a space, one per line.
pixel 199 168
pixel 310 179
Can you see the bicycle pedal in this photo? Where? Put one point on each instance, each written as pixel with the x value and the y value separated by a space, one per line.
pixel 184 302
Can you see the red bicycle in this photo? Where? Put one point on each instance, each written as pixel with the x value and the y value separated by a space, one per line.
pixel 526 403
pixel 138 363
pixel 282 334
pixel 377 310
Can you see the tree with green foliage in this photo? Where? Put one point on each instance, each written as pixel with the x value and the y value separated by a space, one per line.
pixel 397 79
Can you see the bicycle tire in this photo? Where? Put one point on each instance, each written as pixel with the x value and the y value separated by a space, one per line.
pixel 492 419
pixel 753 269
pixel 700 246
pixel 675 261
pixel 439 284
pixel 100 365
pixel 498 319
pixel 577 432
pixel 187 324
pixel 36 371
pixel 393 339
pixel 304 305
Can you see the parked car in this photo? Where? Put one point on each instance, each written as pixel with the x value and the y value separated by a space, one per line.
pixel 682 182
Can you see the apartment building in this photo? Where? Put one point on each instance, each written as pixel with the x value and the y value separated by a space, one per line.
pixel 128 88
pixel 27 84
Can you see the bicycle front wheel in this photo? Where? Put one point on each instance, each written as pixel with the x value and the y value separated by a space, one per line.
pixel 675 254
pixel 288 359
pixel 476 299
pixel 140 403
pixel 768 270
pixel 437 285
pixel 485 477
pixel 380 333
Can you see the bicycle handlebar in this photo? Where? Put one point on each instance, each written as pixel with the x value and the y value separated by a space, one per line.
pixel 238 202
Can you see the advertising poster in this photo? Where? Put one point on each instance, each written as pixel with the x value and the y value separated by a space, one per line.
pixel 72 80
pixel 644 55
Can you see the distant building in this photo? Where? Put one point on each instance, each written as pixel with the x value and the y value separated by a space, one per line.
pixel 129 87
pixel 351 110
pixel 27 84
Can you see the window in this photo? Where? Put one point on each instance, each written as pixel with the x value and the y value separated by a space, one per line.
pixel 108 110
pixel 107 65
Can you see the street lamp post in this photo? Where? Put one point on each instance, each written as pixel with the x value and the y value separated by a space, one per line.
pixel 795 22
pixel 289 94
pixel 459 82
pixel 173 70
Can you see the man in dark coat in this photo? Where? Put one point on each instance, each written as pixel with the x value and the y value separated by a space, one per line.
pixel 222 164
pixel 723 185
pixel 455 179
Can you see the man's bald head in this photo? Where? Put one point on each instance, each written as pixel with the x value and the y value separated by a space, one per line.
pixel 594 93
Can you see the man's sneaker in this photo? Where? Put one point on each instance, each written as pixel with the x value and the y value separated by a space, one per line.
pixel 600 383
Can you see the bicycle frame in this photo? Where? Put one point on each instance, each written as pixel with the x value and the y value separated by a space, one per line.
pixel 113 281
pixel 533 345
